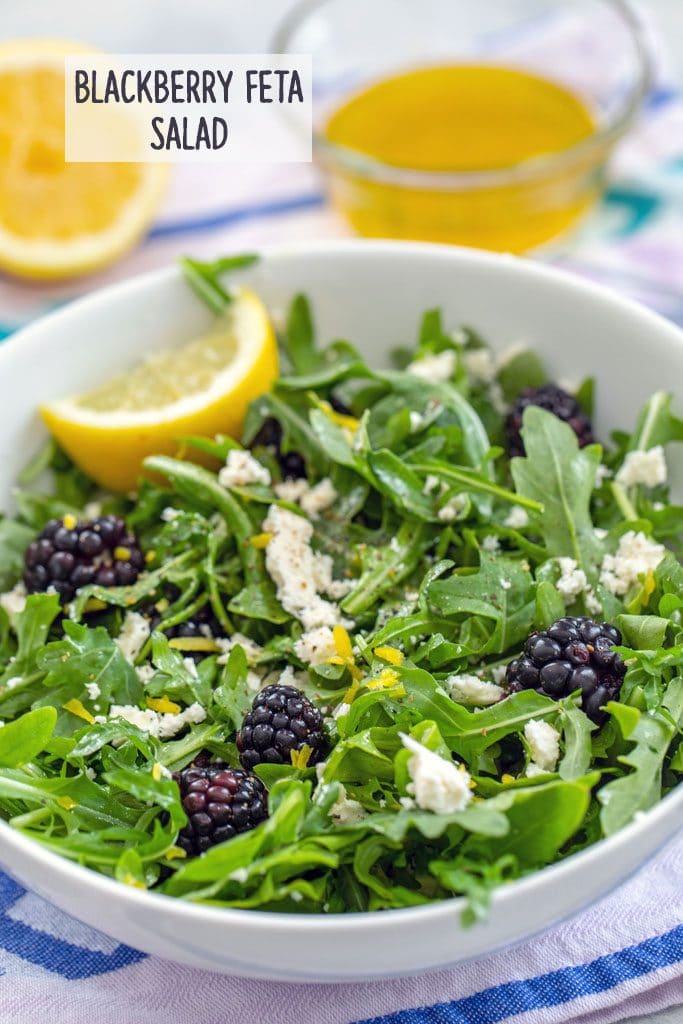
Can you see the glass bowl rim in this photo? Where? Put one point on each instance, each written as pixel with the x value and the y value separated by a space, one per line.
pixel 587 151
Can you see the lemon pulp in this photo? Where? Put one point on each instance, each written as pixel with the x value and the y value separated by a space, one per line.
pixel 166 378
pixel 201 388
pixel 56 218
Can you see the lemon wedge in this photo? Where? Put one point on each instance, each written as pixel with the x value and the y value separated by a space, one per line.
pixel 203 387
pixel 59 219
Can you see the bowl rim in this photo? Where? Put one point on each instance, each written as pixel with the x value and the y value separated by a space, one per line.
pixel 587 151
pixel 56 865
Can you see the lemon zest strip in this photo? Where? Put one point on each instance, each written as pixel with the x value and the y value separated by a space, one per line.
pixel 193 643
pixel 76 708
pixel 175 853
pixel 163 705
pixel 390 654
pixel 300 758
pixel 260 540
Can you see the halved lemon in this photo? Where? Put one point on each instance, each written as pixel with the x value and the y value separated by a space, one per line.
pixel 202 388
pixel 59 219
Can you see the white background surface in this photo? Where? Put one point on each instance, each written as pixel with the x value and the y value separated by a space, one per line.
pixel 224 25
pixel 207 25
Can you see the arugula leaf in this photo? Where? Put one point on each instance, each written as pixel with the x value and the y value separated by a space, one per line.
pixel 23 739
pixel 337 363
pixel 299 337
pixel 204 278
pixel 577 729
pixel 258 601
pixel 401 485
pixel 233 695
pixel 643 632
pixel 14 539
pixel 521 370
pixel 651 735
pixel 560 475
pixel 86 656
pixel 656 424
pixel 541 819
pixel 501 591
pixel 385 567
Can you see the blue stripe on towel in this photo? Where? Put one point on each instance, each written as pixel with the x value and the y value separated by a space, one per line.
pixel 236 215
pixel 497 1004
pixel 70 961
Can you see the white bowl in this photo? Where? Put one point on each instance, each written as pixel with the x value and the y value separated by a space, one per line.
pixel 373 294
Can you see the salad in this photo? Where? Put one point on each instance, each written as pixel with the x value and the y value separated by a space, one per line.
pixel 416 635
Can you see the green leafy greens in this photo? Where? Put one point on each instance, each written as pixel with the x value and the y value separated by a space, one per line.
pixel 441 557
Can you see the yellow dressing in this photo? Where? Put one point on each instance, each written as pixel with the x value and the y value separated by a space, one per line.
pixel 463 118
pixel 467 117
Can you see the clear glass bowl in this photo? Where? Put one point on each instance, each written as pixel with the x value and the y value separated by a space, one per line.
pixel 595 48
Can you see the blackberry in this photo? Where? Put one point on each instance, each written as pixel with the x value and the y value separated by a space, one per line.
pixel 554 400
pixel 339 405
pixel 281 720
pixel 575 653
pixel 270 436
pixel 69 553
pixel 219 802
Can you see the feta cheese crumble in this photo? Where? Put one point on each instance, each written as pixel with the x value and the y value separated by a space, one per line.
pixel 602 473
pixel 242 469
pixel 436 368
pixel 291 490
pixel 416 421
pixel 345 811
pixel 252 650
pixel 313 500
pixel 92 510
pixel 239 875
pixel 254 681
pixel 437 785
pixel 452 509
pixel 643 467
pixel 301 574
pixel 498 674
pixel 133 636
pixel 517 518
pixel 470 689
pixel 162 726
pixel 544 745
pixel 318 498
pixel 635 557
pixel 190 666
pixel 14 601
pixel 572 581
pixel 315 646
pixel 480 365
pixel 93 690
pixel 491 544
pixel 288 677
